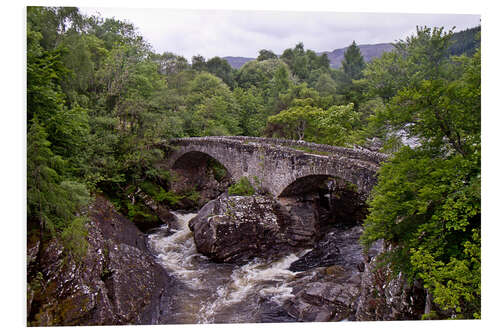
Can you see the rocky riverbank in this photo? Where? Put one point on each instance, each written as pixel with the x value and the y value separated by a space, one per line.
pixel 242 259
pixel 336 280
pixel 340 282
pixel 116 282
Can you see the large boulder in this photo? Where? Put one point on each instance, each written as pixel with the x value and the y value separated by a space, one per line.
pixel 238 228
pixel 117 281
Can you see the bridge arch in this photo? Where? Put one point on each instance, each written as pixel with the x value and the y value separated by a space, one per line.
pixel 194 159
pixel 337 200
pixel 272 166
pixel 306 184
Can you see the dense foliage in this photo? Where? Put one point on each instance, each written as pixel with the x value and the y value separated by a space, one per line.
pixel 101 105
pixel 427 202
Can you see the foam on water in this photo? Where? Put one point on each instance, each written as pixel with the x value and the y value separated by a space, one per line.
pixel 225 287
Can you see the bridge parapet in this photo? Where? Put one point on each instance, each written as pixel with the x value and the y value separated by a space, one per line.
pixel 354 153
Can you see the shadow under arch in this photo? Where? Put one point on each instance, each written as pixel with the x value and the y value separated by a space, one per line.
pixel 198 178
pixel 198 159
pixel 339 202
pixel 307 185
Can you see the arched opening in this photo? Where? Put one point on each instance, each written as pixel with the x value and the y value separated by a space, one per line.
pixel 340 208
pixel 336 201
pixel 196 179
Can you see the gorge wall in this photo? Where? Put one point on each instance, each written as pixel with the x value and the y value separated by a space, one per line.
pixel 116 282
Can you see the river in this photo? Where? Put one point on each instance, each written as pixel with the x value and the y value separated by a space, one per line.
pixel 209 292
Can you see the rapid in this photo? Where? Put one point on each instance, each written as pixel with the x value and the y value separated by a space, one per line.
pixel 209 292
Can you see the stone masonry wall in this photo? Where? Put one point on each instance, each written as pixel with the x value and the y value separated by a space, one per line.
pixel 272 164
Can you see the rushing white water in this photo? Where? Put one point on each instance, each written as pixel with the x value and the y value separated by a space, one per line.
pixel 218 292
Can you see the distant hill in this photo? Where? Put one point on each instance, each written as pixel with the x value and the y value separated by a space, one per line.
pixel 369 51
pixel 464 42
pixel 237 62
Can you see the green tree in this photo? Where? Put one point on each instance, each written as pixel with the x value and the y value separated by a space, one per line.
pixel 323 61
pixel 325 85
pixel 52 201
pixel 296 120
pixel 253 114
pixel 427 201
pixel 465 42
pixel 338 126
pixel 266 54
pixel 305 65
pixel 386 75
pixel 304 121
pixel 169 63
pixel 258 73
pixel 353 62
pixel 198 63
pixel 213 109
pixel 221 68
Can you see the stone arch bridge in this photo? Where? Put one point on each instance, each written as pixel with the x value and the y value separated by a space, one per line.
pixel 275 165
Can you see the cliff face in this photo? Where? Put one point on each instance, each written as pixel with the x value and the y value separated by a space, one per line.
pixel 116 282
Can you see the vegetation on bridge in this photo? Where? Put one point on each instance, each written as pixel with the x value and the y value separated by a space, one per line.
pixel 99 101
pixel 241 187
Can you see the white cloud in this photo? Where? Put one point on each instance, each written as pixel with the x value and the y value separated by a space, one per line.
pixel 243 33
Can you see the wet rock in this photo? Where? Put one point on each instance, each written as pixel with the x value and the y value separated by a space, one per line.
pixel 328 295
pixel 117 281
pixel 165 217
pixel 330 284
pixel 270 312
pixel 385 296
pixel 32 251
pixel 236 229
pixel 337 247
pixel 349 284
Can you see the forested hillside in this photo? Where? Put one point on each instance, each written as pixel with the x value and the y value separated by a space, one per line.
pixel 101 105
pixel 237 62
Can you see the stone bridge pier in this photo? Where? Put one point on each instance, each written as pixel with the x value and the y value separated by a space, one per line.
pixel 276 165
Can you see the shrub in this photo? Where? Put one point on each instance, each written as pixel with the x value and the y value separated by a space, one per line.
pixel 218 169
pixel 192 195
pixel 242 187
pixel 74 237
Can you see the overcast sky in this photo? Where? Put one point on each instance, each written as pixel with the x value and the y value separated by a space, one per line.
pixel 243 33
